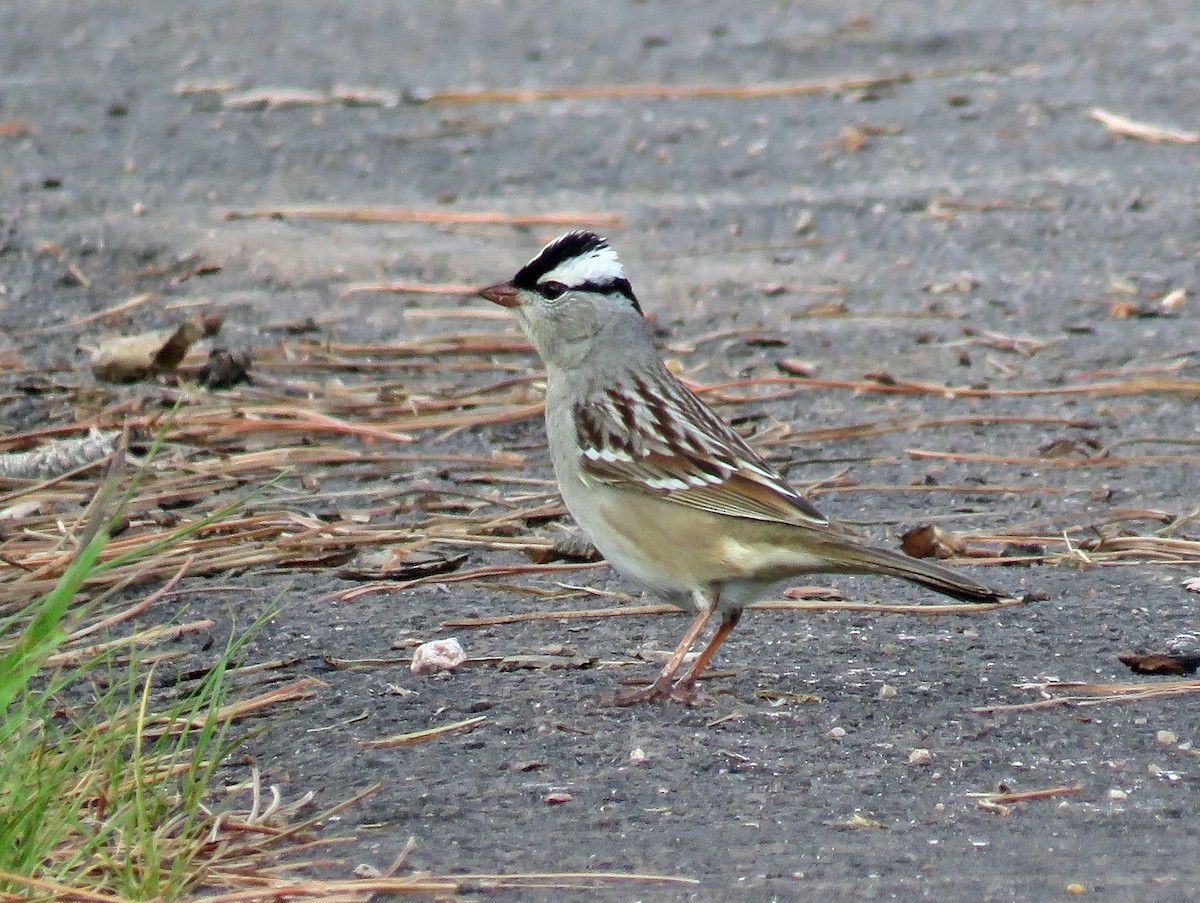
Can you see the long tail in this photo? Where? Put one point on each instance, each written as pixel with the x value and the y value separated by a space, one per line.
pixel 864 559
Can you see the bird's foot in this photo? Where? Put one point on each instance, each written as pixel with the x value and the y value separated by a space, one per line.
pixel 659 691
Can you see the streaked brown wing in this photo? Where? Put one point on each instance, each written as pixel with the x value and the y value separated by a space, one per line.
pixel 654 435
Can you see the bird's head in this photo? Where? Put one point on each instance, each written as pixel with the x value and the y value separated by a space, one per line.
pixel 573 292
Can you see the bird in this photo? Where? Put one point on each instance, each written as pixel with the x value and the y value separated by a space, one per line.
pixel 668 492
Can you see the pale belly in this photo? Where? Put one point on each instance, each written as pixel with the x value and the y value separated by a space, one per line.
pixel 676 551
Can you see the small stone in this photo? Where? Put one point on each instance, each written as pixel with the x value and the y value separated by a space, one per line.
pixel 437 655
pixel 920 757
pixel 887 691
pixel 1174 300
pixel 1166 738
pixel 558 798
pixel 1076 888
pixel 1117 794
pixel 637 756
pixel 837 733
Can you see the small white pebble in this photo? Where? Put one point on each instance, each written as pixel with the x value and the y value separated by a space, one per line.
pixel 1185 643
pixel 637 756
pixel 1167 738
pixel 437 655
pixel 837 733
pixel 920 757
pixel 1174 300
pixel 887 691
pixel 1116 794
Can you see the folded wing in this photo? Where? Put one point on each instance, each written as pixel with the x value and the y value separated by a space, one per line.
pixel 654 435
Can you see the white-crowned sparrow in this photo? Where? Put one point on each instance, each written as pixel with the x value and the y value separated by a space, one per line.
pixel 668 492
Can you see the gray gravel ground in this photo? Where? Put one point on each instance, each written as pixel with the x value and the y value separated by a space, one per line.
pixel 1053 219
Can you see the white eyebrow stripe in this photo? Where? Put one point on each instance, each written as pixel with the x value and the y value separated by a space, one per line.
pixel 598 265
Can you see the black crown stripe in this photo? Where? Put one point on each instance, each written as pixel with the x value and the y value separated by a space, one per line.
pixel 559 251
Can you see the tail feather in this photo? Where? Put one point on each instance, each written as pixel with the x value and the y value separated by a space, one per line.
pixel 873 560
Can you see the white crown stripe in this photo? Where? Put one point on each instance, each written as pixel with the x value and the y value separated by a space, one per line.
pixel 597 265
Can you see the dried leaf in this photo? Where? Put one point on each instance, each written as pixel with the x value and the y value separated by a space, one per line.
pixel 1065 448
pixel 793 366
pixel 856 820
pixel 15 128
pixel 930 541
pixel 766 340
pixel 813 592
pixel 831 308
pixel 853 138
pixel 963 282
pixel 1125 309
pixel 571 547
pixel 546 660
pixel 225 369
pixel 130 358
pixel 1160 662
pixel 400 565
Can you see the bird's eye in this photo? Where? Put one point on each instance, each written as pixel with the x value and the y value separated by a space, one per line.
pixel 551 290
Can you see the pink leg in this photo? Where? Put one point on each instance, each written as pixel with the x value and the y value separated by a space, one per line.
pixel 664 686
pixel 706 654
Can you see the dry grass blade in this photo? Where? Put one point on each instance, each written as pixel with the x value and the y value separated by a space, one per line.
pixel 459 577
pixel 894 385
pixel 112 313
pixel 1041 793
pixel 576 879
pixel 737 92
pixel 353 214
pixel 1044 461
pixel 1132 128
pixel 1096 693
pixel 301 688
pixel 255 856
pixel 623 611
pixel 416 288
pixel 365 889
pixel 147 637
pixel 422 736
pixel 57 891
pixel 1001 802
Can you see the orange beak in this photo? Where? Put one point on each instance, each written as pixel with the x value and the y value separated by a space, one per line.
pixel 502 293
